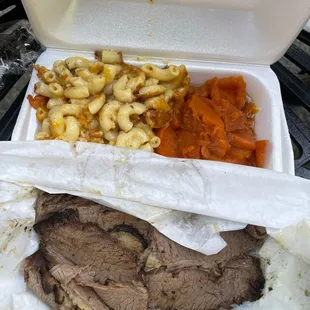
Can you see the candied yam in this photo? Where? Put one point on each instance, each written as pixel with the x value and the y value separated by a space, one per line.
pixel 252 160
pixel 177 106
pixel 215 92
pixel 242 140
pixel 260 153
pixel 202 110
pixel 241 93
pixel 215 123
pixel 205 152
pixel 233 118
pixel 191 151
pixel 189 122
pixel 188 144
pixel 218 142
pixel 228 95
pixel 168 145
pixel 235 87
pixel 230 82
pixel 238 153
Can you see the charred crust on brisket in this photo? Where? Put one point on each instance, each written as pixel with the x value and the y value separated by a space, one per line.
pixel 66 215
pixel 59 296
pixel 47 286
pixel 57 218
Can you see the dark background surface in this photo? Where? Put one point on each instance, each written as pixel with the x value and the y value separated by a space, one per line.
pixel 293 72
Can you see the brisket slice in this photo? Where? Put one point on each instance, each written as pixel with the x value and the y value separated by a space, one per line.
pixel 192 289
pixel 47 205
pixel 84 297
pixel 43 284
pixel 122 227
pixel 88 245
pixel 120 296
pixel 173 256
pixel 87 212
pixel 92 255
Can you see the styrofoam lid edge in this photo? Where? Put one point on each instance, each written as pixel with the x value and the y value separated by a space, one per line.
pixel 258 34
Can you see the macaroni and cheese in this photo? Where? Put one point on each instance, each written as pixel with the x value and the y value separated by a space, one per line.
pixel 104 100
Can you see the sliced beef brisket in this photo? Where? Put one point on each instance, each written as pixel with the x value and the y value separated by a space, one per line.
pixel 93 257
pixel 45 286
pixel 88 245
pixel 173 256
pixel 120 296
pixel 240 280
pixel 87 212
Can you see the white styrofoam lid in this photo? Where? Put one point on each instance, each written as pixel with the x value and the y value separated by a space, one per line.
pixel 248 31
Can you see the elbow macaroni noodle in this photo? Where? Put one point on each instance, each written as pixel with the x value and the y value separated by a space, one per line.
pixel 95 105
pixel 79 101
pixel 49 77
pixel 155 142
pixel 108 89
pixel 96 84
pixel 42 89
pixel 124 113
pixel 77 81
pixel 84 73
pixel 53 102
pixel 77 92
pixel 109 56
pixel 76 62
pixel 151 91
pixel 72 129
pixel 108 115
pixel 133 139
pixel 56 89
pixel 57 124
pixel 110 72
pixel 105 100
pixel 147 147
pixel 151 82
pixel 164 75
pixel 61 69
pixel 95 67
pixel 120 90
pixel 46 126
pixel 41 114
pixel 137 82
pixel 111 135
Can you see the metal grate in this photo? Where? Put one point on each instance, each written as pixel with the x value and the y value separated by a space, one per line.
pixel 293 72
pixel 18 50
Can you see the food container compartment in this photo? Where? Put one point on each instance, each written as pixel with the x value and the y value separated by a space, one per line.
pixel 262 87
pixel 212 38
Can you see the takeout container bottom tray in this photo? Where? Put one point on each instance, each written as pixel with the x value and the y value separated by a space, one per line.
pixel 262 87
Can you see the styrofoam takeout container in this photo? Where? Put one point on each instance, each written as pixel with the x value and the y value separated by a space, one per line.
pixel 212 38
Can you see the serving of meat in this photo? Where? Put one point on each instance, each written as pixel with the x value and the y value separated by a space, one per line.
pixel 92 257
